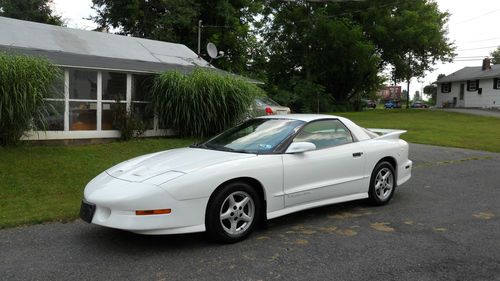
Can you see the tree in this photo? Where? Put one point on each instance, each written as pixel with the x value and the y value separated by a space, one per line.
pixel 495 56
pixel 410 35
pixel 30 10
pixel 340 46
pixel 314 56
pixel 225 23
pixel 431 90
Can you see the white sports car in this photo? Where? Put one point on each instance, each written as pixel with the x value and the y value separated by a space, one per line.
pixel 262 169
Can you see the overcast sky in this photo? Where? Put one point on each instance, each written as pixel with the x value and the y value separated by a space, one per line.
pixel 473 27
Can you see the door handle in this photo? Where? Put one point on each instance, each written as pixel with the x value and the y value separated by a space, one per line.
pixel 357 154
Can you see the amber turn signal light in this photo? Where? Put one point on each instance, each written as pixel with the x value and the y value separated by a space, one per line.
pixel 153 212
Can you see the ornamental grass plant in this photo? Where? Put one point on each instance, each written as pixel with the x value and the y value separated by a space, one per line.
pixel 202 103
pixel 25 82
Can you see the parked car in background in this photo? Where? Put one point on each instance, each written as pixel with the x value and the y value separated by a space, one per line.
pixel 370 104
pixel 266 106
pixel 419 104
pixel 392 104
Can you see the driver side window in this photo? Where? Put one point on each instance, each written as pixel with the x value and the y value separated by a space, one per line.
pixel 325 134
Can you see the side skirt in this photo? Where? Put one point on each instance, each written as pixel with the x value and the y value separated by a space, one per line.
pixel 310 205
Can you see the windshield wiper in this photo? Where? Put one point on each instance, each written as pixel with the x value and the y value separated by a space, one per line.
pixel 225 148
pixel 198 145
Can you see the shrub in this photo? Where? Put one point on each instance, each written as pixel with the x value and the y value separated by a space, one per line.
pixel 128 125
pixel 202 103
pixel 24 83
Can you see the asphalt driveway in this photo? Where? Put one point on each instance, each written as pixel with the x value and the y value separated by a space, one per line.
pixel 442 225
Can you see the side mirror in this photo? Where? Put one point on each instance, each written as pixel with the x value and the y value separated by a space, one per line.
pixel 299 147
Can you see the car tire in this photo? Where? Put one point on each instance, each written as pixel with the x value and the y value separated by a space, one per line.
pixel 233 212
pixel 382 184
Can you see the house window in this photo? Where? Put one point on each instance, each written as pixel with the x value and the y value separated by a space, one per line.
pixel 496 83
pixel 445 87
pixel 53 110
pixel 140 103
pixel 82 84
pixel 54 115
pixel 108 115
pixel 114 93
pixel 82 116
pixel 82 99
pixel 114 86
pixel 472 85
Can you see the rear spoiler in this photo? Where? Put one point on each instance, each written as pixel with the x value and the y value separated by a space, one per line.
pixel 386 134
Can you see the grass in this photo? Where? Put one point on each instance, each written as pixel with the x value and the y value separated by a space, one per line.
pixel 41 183
pixel 435 127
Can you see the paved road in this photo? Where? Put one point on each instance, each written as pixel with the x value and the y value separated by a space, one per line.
pixel 442 225
pixel 474 111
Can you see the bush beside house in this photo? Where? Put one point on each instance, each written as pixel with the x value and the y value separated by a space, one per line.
pixel 202 103
pixel 24 83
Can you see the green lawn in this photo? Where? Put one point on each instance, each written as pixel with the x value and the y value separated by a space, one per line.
pixel 41 183
pixel 435 127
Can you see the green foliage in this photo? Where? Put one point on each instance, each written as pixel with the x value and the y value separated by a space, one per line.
pixel 225 23
pixel 342 46
pixel 126 122
pixel 330 56
pixel 202 103
pixel 302 49
pixel 495 56
pixel 24 83
pixel 411 36
pixel 30 10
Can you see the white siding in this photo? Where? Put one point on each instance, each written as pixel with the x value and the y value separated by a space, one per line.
pixel 447 97
pixel 489 98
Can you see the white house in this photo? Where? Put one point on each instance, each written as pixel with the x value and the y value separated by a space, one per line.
pixel 99 69
pixel 473 87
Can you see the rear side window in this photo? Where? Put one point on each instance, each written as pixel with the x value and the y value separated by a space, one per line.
pixel 325 134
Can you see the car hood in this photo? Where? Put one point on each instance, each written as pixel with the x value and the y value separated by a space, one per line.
pixel 175 162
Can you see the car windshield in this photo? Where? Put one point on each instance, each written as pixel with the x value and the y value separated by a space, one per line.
pixel 268 101
pixel 254 136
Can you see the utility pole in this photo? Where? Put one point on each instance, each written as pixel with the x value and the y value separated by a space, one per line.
pixel 199 38
pixel 408 78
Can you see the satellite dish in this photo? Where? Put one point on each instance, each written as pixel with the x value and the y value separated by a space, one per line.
pixel 212 50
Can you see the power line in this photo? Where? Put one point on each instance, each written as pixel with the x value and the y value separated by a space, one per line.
pixel 483 40
pixel 479 48
pixel 472 57
pixel 465 60
pixel 478 16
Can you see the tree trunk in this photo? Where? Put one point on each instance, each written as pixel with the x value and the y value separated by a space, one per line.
pixel 408 94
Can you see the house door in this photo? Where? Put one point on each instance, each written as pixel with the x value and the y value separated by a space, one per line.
pixel 461 102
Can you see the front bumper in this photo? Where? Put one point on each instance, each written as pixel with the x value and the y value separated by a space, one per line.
pixel 116 201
